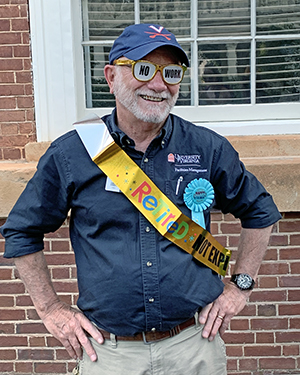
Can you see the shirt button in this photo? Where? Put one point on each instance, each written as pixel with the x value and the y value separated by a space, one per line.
pixel 153 329
pixel 162 143
pixel 149 264
pixel 151 300
pixel 146 160
pixel 147 229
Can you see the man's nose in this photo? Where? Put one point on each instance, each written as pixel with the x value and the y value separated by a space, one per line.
pixel 157 83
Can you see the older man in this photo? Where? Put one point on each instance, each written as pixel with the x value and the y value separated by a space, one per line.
pixel 146 305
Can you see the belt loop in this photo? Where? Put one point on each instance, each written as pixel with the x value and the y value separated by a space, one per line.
pixel 196 316
pixel 113 341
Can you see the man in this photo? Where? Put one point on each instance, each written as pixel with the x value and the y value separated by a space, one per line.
pixel 147 307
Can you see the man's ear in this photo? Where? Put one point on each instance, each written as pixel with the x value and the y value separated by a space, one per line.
pixel 109 72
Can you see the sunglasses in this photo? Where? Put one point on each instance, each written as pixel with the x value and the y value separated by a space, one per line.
pixel 144 71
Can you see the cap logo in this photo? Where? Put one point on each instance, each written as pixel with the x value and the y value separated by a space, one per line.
pixel 157 32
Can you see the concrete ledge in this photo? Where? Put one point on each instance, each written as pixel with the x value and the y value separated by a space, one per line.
pixel 274 160
pixel 13 179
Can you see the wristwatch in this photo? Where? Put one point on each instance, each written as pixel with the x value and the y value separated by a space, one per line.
pixel 243 281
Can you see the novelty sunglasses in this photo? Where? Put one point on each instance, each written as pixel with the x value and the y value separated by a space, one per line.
pixel 144 71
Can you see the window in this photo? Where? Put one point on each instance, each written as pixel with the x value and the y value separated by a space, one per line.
pixel 242 52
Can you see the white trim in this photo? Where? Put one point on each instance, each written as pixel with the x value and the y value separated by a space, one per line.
pixel 54 76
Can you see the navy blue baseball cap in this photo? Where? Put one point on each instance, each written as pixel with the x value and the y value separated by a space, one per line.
pixel 136 41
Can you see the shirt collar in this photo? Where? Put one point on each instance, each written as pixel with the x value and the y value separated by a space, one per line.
pixel 124 141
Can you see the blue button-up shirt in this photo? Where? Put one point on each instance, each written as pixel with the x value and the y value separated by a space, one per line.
pixel 130 278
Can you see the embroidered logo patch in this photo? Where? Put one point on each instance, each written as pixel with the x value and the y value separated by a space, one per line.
pixel 186 163
pixel 157 32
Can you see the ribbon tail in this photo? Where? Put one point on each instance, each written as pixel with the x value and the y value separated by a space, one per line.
pixel 198 218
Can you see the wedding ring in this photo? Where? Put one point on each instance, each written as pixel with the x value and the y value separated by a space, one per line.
pixel 220 317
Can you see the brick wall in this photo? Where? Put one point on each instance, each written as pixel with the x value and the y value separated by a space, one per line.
pixel 263 340
pixel 17 126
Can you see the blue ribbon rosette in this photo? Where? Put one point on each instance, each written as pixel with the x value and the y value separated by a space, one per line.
pixel 198 196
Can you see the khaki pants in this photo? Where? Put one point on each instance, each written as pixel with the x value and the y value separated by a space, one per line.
pixel 184 354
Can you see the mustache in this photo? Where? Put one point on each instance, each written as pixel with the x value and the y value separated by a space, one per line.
pixel 146 92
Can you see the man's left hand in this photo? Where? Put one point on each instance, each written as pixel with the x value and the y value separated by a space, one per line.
pixel 217 315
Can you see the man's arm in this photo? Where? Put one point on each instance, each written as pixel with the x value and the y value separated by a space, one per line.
pixel 68 325
pixel 251 250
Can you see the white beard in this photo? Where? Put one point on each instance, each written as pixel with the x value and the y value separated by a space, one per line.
pixel 153 112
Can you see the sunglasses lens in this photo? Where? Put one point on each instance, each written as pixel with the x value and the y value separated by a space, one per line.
pixel 143 71
pixel 173 74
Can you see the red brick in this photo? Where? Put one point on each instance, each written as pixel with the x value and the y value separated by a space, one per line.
pixel 61 273
pixel 248 364
pixel 289 253
pixel 12 287
pixel 289 226
pixel 234 351
pixel 31 328
pixel 11 64
pixel 7 354
pixel 9 11
pixel 6 301
pixel 53 342
pixel 49 367
pixel 239 337
pixel 288 336
pixel 62 355
pixel 24 367
pixel 11 154
pixel 231 228
pixel 7 328
pixel 12 116
pixel 5 25
pixel 10 129
pixel 5 274
pixel 267 282
pixel 269 324
pixel 262 351
pixel 7 103
pixel 23 300
pixel 290 350
pixel 270 295
pixel 289 281
pixel 293 295
pixel 61 245
pixel 15 341
pixel 6 51
pixel 6 77
pixel 278 240
pixel 60 259
pixel 295 239
pixel 271 254
pixel 6 367
pixel 32 314
pixel 25 102
pixel 37 341
pixel 295 267
pixel 65 286
pixel 239 324
pixel 289 309
pixel 20 24
pixel 11 90
pixel 23 77
pixel 35 354
pixel 21 51
pixel 264 337
pixel 274 268
pixel 267 310
pixel 9 314
pixel 277 363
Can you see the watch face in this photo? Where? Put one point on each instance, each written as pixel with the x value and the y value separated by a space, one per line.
pixel 244 281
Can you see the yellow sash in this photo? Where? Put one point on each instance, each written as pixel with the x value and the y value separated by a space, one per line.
pixel 160 211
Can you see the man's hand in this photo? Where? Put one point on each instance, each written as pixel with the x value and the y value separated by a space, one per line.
pixel 68 325
pixel 217 315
